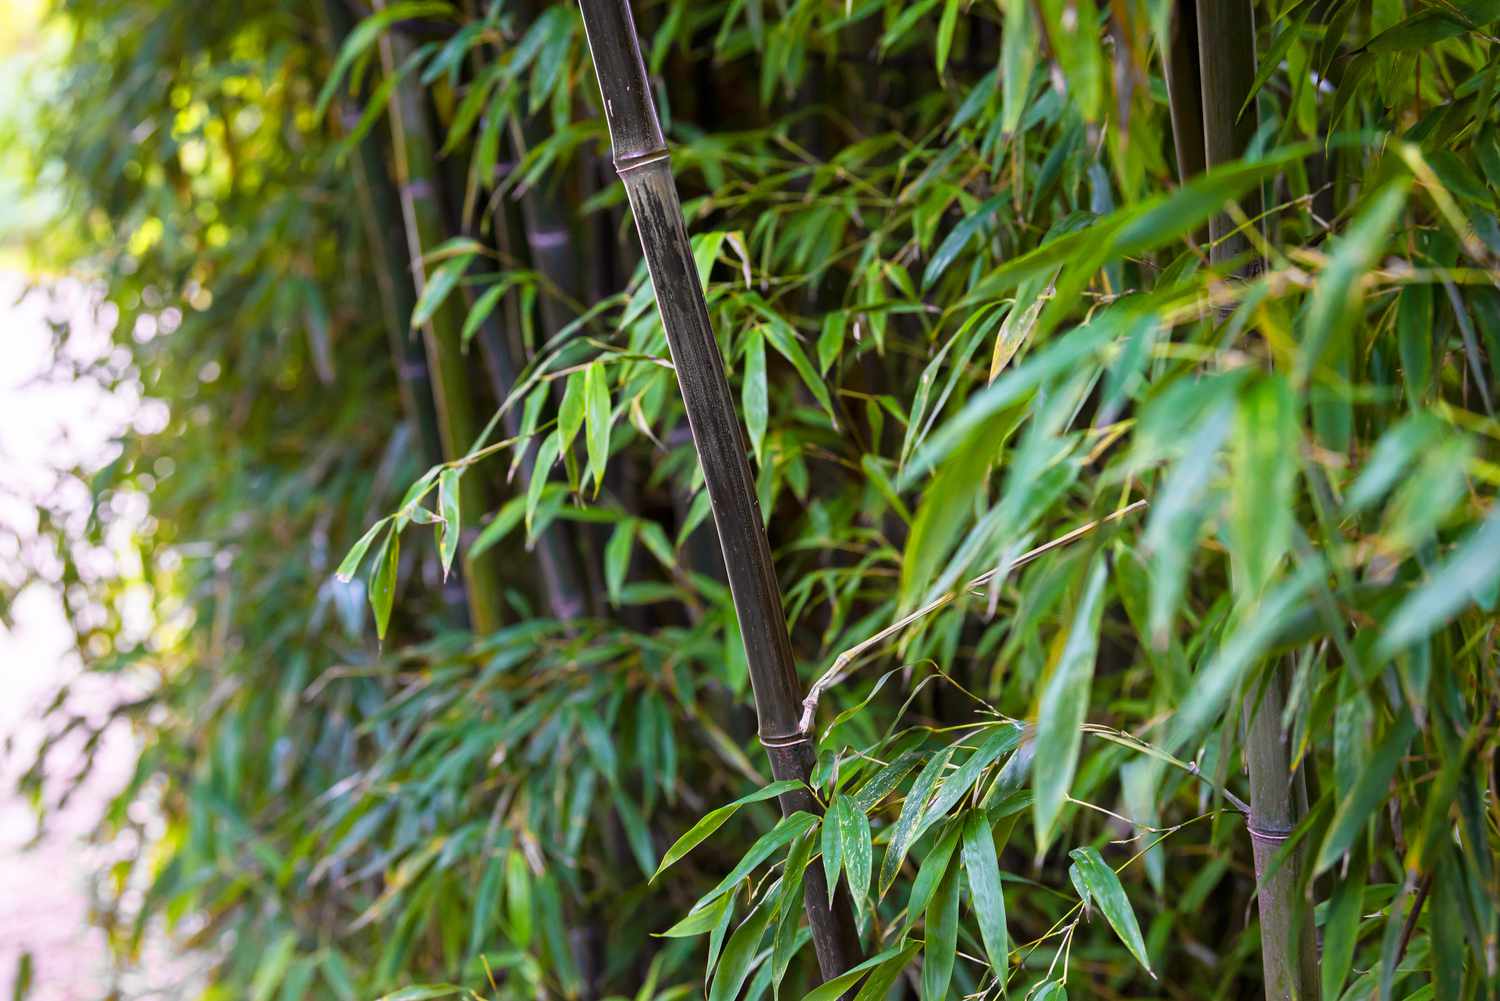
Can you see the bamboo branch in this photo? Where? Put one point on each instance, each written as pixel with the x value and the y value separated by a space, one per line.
pixel 839 670
pixel 641 159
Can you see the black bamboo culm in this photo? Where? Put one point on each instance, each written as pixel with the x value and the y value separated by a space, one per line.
pixel 640 157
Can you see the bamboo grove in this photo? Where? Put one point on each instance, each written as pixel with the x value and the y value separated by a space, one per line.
pixel 1113 385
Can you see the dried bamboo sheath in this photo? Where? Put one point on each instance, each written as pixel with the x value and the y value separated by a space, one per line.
pixel 640 156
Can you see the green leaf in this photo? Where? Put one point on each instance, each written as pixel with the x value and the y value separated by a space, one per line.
pixel 715 819
pixel 941 944
pixel 897 956
pixel 912 809
pixel 1018 59
pixel 1369 791
pixel 1471 569
pixel 382 589
pixel 365 34
pixel 983 867
pixel 617 559
pixel 546 457
pixel 784 340
pixel 791 826
pixel 1341 931
pixel 356 555
pixel 480 311
pixel 485 899
pixel 1396 450
pixel 1263 460
pixel 946 27
pixel 739 954
pixel 422 992
pixel 831 339
pixel 855 846
pixel 438 287
pixel 1061 706
pixel 449 508
pixel 699 922
pixel 756 401
pixel 597 412
pixel 570 412
pixel 272 967
pixel 955 242
pixel 1105 890
pixel 1336 300
pixel 518 898
pixel 1212 685
pixel 504 522
pixel 832 848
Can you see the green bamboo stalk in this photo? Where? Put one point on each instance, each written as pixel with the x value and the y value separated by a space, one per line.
pixel 1226 64
pixel 416 179
pixel 641 159
pixel 1287 947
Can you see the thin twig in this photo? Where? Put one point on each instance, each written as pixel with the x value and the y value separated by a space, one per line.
pixel 836 673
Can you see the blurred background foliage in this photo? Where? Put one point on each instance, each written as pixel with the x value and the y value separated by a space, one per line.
pixel 374 271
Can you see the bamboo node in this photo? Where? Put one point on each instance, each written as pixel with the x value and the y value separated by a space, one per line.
pixel 784 740
pixel 1270 836
pixel 624 164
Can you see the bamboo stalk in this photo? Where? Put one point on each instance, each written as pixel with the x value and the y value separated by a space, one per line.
pixel 1287 951
pixel 1226 61
pixel 416 179
pixel 1185 89
pixel 641 159
pixel 1226 64
pixel 377 202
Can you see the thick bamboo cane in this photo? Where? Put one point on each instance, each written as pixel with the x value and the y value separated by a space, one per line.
pixel 641 159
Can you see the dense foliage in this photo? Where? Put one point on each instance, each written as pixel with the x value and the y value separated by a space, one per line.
pixel 968 304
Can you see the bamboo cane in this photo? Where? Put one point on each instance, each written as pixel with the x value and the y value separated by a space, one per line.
pixel 641 159
pixel 377 205
pixel 1226 63
pixel 415 168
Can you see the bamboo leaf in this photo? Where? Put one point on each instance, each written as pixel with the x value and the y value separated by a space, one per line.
pixel 912 809
pixel 951 247
pixel 715 819
pixel 449 508
pixel 1104 888
pixel 356 555
pixel 1263 468
pixel 439 285
pixel 1470 570
pixel 793 825
pixel 518 898
pixel 382 588
pixel 941 945
pixel 1370 790
pixel 983 867
pixel 422 992
pixel 739 954
pixel 571 411
pixel 597 416
pixel 1061 706
pixel 757 406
